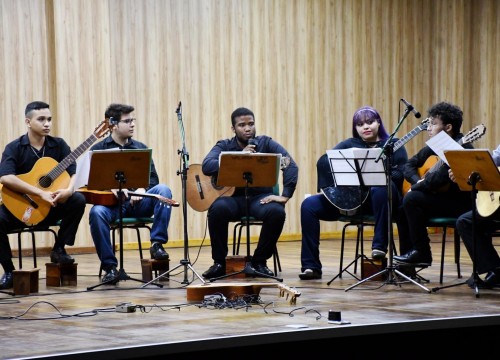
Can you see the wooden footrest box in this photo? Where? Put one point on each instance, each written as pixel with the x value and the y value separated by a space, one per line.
pixel 157 266
pixel 61 274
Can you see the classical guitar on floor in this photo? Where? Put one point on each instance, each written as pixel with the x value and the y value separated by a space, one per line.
pixel 434 162
pixel 49 175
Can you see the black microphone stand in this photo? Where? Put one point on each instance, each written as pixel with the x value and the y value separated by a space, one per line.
pixel 184 155
pixel 390 270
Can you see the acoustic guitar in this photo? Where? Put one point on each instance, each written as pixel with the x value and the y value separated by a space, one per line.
pixel 233 290
pixel 48 175
pixel 348 198
pixel 107 198
pixel 434 162
pixel 202 190
pixel 487 202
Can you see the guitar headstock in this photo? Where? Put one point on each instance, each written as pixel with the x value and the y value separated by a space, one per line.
pixel 474 134
pixel 424 124
pixel 285 289
pixel 102 129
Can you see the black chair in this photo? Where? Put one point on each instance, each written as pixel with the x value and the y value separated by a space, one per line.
pixel 130 223
pixel 242 223
pixel 32 230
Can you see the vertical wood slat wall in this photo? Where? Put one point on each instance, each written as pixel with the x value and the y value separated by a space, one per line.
pixel 302 66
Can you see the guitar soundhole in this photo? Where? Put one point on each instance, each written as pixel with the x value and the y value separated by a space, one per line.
pixel 45 182
pixel 213 180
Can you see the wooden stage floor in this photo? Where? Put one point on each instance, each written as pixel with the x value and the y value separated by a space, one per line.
pixel 74 322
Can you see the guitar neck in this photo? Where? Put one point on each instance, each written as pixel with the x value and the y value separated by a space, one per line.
pixel 401 142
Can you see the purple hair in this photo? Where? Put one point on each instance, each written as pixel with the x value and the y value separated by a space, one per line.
pixel 367 112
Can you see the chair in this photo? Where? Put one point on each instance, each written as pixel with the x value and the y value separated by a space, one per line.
pixel 32 230
pixel 368 220
pixel 130 223
pixel 238 228
pixel 445 223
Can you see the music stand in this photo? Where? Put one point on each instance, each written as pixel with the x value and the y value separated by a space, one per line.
pixel 242 169
pixel 111 169
pixel 473 169
pixel 355 168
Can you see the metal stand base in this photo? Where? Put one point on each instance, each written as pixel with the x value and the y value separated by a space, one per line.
pixel 122 275
pixel 391 278
pixel 249 270
pixel 186 264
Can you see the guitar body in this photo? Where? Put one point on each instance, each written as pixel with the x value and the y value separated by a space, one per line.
pixel 428 164
pixel 21 207
pixel 346 198
pixel 49 175
pixel 202 190
pixel 99 197
pixel 487 202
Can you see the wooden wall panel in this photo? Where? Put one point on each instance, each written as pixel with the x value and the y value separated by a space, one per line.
pixel 303 66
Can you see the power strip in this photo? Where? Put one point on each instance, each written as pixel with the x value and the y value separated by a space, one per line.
pixel 125 308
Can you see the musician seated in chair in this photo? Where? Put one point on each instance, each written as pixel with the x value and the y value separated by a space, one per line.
pixel 487 221
pixel 26 156
pixel 367 132
pixel 101 216
pixel 263 204
pixel 431 192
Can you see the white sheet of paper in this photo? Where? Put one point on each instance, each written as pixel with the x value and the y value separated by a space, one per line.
pixel 441 142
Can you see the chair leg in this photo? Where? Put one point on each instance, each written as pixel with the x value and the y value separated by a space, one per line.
pixel 20 250
pixel 443 246
pixel 456 238
pixel 342 249
pixel 359 245
pixel 138 232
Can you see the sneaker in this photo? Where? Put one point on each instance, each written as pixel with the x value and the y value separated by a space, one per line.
pixel 309 274
pixel 378 254
pixel 158 252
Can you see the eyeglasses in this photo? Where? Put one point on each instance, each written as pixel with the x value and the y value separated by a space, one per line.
pixel 128 121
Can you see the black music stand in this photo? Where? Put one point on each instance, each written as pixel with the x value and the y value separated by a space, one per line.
pixel 385 154
pixel 473 169
pixel 241 169
pixel 111 169
pixel 355 168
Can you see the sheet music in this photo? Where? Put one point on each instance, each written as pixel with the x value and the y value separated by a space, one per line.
pixel 441 142
pixel 345 164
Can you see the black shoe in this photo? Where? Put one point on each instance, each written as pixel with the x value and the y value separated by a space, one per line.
pixel 407 270
pixel 59 256
pixel 158 252
pixel 214 271
pixel 309 274
pixel 7 281
pixel 480 283
pixel 263 269
pixel 416 258
pixel 492 279
pixel 111 276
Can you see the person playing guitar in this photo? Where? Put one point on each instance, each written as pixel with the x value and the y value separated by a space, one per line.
pixel 156 199
pixel 485 223
pixel 20 164
pixel 434 195
pixel 367 132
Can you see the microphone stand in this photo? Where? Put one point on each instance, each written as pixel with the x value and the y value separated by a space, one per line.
pixel 183 172
pixel 390 270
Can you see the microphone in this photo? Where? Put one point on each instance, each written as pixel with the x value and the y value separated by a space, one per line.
pixel 112 121
pixel 411 108
pixel 178 111
pixel 253 141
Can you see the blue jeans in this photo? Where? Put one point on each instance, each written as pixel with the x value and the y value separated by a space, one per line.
pixel 101 217
pixel 317 207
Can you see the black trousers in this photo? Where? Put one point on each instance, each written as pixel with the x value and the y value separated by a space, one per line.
pixel 70 213
pixel 228 209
